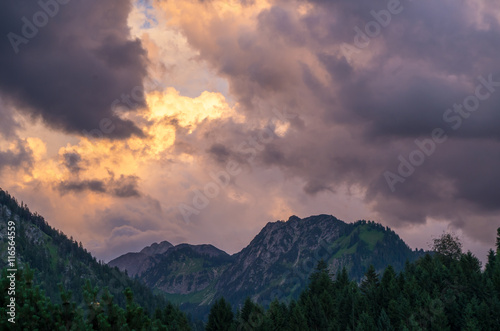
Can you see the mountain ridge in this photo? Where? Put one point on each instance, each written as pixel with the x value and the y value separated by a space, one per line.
pixel 276 263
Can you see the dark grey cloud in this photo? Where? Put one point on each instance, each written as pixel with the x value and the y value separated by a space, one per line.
pixel 370 107
pixel 21 158
pixel 8 125
pixel 84 185
pixel 72 161
pixel 122 187
pixel 126 186
pixel 219 152
pixel 68 63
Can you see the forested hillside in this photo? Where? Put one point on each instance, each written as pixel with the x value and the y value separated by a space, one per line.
pixel 58 265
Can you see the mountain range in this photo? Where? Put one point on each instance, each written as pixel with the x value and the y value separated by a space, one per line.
pixel 59 285
pixel 276 264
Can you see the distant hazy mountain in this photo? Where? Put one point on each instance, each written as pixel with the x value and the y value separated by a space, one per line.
pixel 137 263
pixel 277 263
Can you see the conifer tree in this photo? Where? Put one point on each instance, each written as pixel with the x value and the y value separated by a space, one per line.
pixel 498 241
pixel 371 282
pixel 297 320
pixel 220 317
pixel 277 314
pixel 384 323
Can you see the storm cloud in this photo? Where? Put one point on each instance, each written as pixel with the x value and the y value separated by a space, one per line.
pixel 72 63
pixel 364 109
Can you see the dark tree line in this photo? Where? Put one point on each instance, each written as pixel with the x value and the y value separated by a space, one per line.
pixel 35 311
pixel 447 290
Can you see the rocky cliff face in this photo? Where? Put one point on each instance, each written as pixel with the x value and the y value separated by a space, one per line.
pixel 280 251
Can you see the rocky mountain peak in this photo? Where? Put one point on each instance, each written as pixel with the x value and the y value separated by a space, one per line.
pixel 293 218
pixel 156 248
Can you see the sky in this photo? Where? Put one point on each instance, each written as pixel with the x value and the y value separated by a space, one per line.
pixel 125 123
